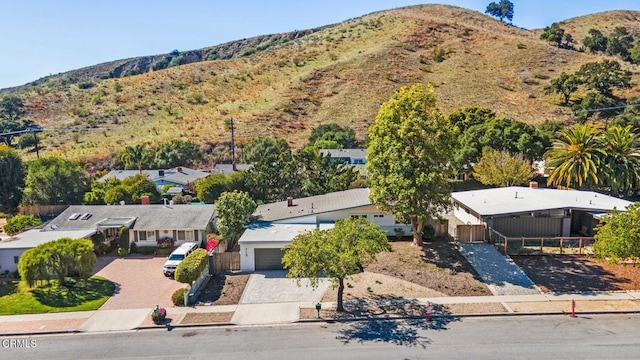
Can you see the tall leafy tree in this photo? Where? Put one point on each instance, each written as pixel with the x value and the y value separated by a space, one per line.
pixel 12 109
pixel 500 168
pixel 257 148
pixel 618 234
pixel 564 84
pixel 321 175
pixel 473 115
pixel 574 157
pixel 595 41
pixel 138 186
pixel 55 181
pixel 604 76
pixel 502 10
pixel 275 177
pixel 335 253
pixel 211 187
pixel 12 173
pixel 343 135
pixel 620 163
pixel 177 153
pixel 410 150
pixel 62 258
pixel 553 33
pixel 233 210
pixel 619 43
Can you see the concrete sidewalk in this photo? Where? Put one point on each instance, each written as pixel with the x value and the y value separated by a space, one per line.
pixel 279 313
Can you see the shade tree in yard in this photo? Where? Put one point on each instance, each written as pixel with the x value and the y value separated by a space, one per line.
pixel 233 210
pixel 12 173
pixel 618 235
pixel 335 253
pixel 409 156
pixel 55 181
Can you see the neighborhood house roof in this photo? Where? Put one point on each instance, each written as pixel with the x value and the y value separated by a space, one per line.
pixel 265 232
pixel 313 205
pixel 515 200
pixel 227 169
pixel 142 217
pixel 345 153
pixel 180 175
pixel 34 237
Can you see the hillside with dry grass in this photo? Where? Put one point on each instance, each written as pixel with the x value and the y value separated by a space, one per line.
pixel 286 84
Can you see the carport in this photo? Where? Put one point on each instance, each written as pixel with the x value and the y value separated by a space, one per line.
pixel 262 244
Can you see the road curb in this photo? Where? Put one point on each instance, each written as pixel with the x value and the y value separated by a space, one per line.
pixel 35 333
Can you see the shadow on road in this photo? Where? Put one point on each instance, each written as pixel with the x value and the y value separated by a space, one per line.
pixel 392 320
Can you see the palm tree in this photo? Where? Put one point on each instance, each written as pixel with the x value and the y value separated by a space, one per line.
pixel 621 159
pixel 133 156
pixel 574 157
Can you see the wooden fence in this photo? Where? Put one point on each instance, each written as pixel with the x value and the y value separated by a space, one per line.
pixel 48 211
pixel 224 261
pixel 468 233
pixel 541 245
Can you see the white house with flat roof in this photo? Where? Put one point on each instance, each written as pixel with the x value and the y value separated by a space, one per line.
pixel 532 211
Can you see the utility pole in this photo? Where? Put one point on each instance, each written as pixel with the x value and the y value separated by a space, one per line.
pixel 32 129
pixel 230 124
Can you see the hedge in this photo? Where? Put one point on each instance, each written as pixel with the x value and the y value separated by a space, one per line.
pixel 192 266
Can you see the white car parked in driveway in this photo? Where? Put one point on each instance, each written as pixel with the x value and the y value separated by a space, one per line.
pixel 179 254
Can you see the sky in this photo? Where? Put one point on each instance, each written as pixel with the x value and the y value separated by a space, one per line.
pixel 43 37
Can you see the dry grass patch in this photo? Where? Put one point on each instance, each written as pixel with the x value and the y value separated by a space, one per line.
pixel 224 289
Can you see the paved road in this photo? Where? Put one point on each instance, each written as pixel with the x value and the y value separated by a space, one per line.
pixel 596 337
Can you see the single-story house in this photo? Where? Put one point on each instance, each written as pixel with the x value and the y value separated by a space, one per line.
pixel 12 247
pixel 346 156
pixel 180 176
pixel 276 224
pixel 228 169
pixel 534 212
pixel 147 223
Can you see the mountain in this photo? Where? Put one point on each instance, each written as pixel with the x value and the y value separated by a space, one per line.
pixel 286 84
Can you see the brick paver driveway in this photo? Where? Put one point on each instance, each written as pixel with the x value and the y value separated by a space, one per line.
pixel 139 282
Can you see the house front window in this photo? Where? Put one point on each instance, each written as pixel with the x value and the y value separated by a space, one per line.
pixel 185 235
pixel 147 235
pixel 358 216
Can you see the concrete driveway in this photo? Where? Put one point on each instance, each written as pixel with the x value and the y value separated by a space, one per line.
pixel 266 287
pixel 139 281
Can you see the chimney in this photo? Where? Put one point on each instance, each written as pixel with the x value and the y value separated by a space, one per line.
pixel 179 168
pixel 234 167
pixel 160 173
pixel 144 200
pixel 533 184
pixel 289 201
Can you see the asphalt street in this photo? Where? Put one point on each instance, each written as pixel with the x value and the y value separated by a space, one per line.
pixel 526 337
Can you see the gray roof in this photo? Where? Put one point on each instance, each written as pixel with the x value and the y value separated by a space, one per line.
pixel 313 205
pixel 179 175
pixel 516 199
pixel 32 238
pixel 145 217
pixel 282 233
pixel 227 169
pixel 345 153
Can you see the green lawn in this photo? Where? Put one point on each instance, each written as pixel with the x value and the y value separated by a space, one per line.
pixel 81 295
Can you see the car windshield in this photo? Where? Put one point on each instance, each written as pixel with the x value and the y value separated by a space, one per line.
pixel 176 257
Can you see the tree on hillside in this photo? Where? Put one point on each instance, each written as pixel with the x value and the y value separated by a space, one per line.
pixel 620 162
pixel 595 41
pixel 55 181
pixel 256 149
pixel 619 43
pixel 634 54
pixel 410 151
pixel 335 253
pixel 233 210
pixel 63 258
pixel 553 33
pixel 618 235
pixel 343 135
pixel 275 177
pixel 574 157
pixel 604 76
pixel 12 173
pixel 499 168
pixel 11 112
pixel 473 115
pixel 564 84
pixel 502 10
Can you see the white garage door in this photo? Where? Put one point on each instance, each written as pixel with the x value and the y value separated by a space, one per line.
pixel 269 259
